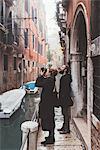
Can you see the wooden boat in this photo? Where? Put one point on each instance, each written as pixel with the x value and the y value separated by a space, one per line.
pixel 10 101
pixel 30 87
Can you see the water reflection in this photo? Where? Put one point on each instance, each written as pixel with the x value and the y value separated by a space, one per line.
pixel 10 131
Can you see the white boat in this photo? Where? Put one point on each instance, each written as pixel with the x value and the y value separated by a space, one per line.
pixel 10 101
pixel 30 87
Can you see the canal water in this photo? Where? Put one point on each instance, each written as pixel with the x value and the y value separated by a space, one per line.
pixel 10 129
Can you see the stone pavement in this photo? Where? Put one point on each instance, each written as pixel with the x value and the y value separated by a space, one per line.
pixel 62 141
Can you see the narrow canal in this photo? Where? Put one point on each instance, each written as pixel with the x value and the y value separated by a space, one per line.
pixel 10 129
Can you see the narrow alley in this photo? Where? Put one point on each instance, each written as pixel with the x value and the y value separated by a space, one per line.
pixel 56 43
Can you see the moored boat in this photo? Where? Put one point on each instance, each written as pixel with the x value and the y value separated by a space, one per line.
pixel 10 101
pixel 30 87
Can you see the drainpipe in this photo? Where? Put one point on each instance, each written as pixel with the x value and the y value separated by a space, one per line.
pixel 22 69
pixel 67 47
pixel 89 96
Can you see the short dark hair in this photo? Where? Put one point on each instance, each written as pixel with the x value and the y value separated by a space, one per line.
pixel 53 72
pixel 44 70
pixel 67 69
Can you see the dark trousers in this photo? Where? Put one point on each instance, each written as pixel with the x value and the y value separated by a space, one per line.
pixel 52 128
pixel 66 115
pixel 51 134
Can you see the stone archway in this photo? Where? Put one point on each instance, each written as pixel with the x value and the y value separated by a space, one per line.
pixel 78 51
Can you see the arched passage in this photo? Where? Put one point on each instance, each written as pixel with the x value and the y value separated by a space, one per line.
pixel 78 51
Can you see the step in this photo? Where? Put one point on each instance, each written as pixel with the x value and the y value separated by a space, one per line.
pixel 82 128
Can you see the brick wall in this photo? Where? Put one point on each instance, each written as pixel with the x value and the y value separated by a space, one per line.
pixel 73 7
pixel 95 138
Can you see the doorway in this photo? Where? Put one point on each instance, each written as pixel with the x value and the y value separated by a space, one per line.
pixel 79 64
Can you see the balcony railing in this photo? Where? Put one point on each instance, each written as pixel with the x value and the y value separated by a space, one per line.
pixel 61 17
pixel 7 36
pixel 2 36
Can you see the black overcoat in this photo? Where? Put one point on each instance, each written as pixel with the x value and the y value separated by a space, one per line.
pixel 46 106
pixel 65 90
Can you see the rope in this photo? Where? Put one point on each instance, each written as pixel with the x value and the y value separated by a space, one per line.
pixel 34 115
pixel 24 141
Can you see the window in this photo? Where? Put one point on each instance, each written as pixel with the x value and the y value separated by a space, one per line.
pixel 36 44
pixel 11 36
pixel 16 33
pixel 40 26
pixel 38 47
pixel 26 6
pixel 24 63
pixel 59 58
pixel 15 63
pixel 41 48
pixel 28 63
pixel 5 62
pixel 33 40
pixel 26 38
pixel 1 12
pixel 33 14
pixel 33 64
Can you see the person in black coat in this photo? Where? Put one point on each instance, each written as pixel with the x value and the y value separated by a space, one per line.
pixel 65 100
pixel 46 106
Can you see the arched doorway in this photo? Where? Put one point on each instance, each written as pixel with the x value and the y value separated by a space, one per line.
pixel 78 51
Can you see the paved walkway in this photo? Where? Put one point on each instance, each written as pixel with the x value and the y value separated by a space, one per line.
pixel 62 141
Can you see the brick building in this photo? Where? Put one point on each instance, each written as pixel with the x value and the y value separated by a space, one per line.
pixel 79 21
pixel 22 42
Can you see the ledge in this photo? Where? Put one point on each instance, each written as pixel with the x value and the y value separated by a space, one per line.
pixel 82 129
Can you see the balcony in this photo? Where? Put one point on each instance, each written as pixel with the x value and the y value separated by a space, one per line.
pixel 62 40
pixel 61 17
pixel 8 39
